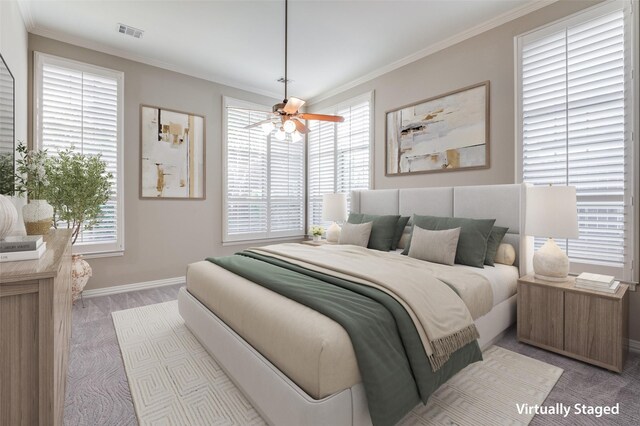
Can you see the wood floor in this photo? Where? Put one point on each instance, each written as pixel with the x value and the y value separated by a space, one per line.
pixel 98 393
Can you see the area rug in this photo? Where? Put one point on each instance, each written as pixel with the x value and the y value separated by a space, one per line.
pixel 174 380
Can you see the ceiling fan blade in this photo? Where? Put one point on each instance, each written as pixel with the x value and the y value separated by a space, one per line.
pixel 300 127
pixel 259 123
pixel 321 117
pixel 293 105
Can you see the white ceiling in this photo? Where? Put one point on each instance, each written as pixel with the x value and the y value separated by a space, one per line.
pixel 240 43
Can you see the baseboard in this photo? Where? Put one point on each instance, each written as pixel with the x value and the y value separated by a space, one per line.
pixel 634 346
pixel 125 288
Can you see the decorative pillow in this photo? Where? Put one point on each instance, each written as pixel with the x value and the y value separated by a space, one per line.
pixel 434 246
pixel 355 234
pixel 402 223
pixel 404 240
pixel 382 231
pixel 505 254
pixel 495 238
pixel 474 233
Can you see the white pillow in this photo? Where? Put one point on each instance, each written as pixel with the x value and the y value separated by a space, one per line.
pixel 356 234
pixel 434 246
pixel 505 254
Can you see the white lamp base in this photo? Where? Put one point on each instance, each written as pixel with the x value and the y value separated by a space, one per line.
pixel 550 263
pixel 333 233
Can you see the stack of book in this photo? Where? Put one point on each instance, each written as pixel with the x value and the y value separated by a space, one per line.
pixel 596 282
pixel 28 247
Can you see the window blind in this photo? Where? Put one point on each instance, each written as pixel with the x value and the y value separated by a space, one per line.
pixel 79 110
pixel 339 155
pixel 574 101
pixel 264 179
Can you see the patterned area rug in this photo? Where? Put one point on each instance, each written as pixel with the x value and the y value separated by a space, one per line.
pixel 175 381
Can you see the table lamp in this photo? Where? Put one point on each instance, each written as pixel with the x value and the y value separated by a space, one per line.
pixel 551 212
pixel 334 208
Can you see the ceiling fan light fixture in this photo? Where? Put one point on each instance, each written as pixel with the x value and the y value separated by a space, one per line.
pixel 289 126
pixel 280 134
pixel 296 137
pixel 267 128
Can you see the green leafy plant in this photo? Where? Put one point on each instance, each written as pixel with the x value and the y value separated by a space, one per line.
pixel 31 172
pixel 79 185
pixel 316 230
pixel 7 177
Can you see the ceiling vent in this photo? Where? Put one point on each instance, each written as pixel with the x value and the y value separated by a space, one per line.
pixel 131 31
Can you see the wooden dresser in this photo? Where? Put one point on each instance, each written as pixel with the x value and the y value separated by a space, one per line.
pixel 35 326
pixel 587 325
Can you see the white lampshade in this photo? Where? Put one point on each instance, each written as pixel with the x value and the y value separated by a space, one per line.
pixel 267 127
pixel 280 134
pixel 552 212
pixel 334 207
pixel 289 126
pixel 296 137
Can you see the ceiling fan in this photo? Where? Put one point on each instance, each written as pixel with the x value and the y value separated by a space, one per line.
pixel 286 116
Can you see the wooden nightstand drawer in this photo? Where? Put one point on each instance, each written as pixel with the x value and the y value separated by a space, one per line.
pixel 594 330
pixel 540 315
pixel 583 324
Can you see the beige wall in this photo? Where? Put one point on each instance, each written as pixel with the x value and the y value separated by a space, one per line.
pixel 161 237
pixel 13 47
pixel 488 56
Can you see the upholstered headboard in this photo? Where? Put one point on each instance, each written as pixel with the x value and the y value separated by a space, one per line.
pixel 505 203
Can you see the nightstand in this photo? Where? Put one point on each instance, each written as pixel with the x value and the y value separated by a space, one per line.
pixel 316 243
pixel 586 325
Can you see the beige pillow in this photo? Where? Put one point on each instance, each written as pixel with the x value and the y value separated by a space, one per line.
pixel 404 240
pixel 506 254
pixel 356 234
pixel 434 246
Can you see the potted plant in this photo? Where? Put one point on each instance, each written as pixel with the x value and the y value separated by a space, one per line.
pixel 79 185
pixel 8 213
pixel 31 179
pixel 316 231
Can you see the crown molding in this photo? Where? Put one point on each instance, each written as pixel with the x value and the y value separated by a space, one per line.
pixel 27 16
pixel 492 23
pixel 88 44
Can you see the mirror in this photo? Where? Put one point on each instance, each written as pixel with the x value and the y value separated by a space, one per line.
pixel 7 133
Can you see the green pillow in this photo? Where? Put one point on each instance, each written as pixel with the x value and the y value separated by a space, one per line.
pixel 382 231
pixel 474 234
pixel 402 223
pixel 495 238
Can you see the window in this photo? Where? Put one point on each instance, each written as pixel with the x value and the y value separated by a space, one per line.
pixel 575 128
pixel 79 106
pixel 339 154
pixel 264 178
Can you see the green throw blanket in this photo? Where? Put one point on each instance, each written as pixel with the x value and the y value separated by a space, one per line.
pixel 394 367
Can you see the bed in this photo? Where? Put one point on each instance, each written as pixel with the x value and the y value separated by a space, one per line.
pixel 305 371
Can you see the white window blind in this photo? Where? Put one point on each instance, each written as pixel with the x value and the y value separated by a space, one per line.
pixel 339 158
pixel 78 106
pixel 575 130
pixel 264 179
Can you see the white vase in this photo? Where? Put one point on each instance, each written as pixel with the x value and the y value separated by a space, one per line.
pixel 317 238
pixel 80 274
pixel 38 217
pixel 8 216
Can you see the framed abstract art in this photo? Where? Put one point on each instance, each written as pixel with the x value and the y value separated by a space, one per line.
pixel 445 133
pixel 172 147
